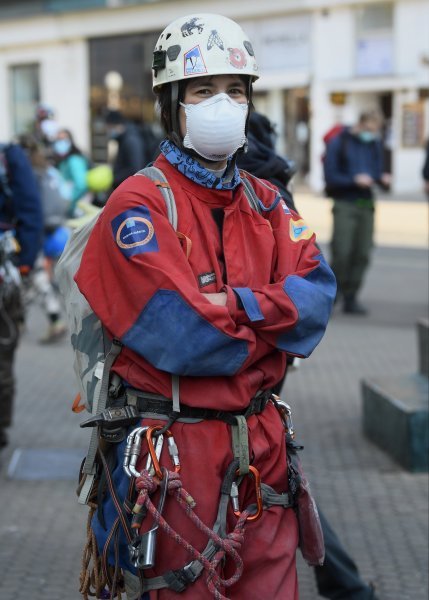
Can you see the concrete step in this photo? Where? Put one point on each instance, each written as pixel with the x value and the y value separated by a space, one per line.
pixel 395 417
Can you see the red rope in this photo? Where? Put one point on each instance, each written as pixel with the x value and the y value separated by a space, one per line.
pixel 146 485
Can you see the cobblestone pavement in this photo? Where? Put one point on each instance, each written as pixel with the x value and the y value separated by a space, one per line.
pixel 379 510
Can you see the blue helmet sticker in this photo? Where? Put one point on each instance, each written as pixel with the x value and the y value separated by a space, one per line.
pixel 134 233
pixel 194 62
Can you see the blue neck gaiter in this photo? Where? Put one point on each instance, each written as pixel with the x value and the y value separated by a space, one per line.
pixel 191 168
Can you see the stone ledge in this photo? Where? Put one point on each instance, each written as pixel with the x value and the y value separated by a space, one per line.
pixel 395 417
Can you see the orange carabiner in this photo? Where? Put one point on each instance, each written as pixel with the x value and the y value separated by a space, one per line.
pixel 259 506
pixel 172 448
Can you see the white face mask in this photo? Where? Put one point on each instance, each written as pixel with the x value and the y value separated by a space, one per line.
pixel 215 127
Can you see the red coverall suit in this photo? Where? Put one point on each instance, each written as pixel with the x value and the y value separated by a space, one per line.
pixel 137 278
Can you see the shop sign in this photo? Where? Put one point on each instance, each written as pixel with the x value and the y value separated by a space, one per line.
pixel 281 44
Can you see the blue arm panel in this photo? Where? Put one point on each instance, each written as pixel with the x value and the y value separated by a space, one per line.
pixel 173 337
pixel 250 304
pixel 313 297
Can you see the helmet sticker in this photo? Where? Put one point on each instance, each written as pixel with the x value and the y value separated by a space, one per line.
pixel 214 39
pixel 188 27
pixel 237 58
pixel 194 62
pixel 249 48
pixel 173 52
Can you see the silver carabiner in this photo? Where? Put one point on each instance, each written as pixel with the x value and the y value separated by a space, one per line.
pixel 134 452
pixel 287 414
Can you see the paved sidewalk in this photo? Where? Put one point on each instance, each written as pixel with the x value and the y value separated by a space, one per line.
pixel 399 221
pixel 379 510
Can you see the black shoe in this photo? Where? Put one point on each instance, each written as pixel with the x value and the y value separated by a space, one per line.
pixel 3 438
pixel 353 307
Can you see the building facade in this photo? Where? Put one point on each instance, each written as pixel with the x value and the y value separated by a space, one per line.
pixel 321 62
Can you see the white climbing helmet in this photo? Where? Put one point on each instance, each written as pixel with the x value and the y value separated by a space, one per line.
pixel 201 45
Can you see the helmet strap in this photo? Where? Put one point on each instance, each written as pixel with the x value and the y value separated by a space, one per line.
pixel 174 107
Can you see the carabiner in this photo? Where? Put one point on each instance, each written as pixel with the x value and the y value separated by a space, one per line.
pixel 158 449
pixel 259 506
pixel 172 448
pixel 132 451
pixel 286 414
pixel 135 450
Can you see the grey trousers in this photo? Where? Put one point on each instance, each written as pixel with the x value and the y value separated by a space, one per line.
pixel 351 243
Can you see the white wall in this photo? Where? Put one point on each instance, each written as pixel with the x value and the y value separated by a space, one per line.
pixel 412 39
pixel 63 84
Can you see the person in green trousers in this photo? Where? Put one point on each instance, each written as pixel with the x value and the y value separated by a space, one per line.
pixel 353 165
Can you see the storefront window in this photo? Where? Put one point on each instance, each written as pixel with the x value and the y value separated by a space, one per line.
pixel 129 58
pixel 25 94
pixel 374 40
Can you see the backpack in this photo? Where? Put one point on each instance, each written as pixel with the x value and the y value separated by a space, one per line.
pixel 334 132
pixel 94 352
pixel 55 205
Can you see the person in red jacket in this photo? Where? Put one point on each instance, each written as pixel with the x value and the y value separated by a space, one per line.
pixel 205 316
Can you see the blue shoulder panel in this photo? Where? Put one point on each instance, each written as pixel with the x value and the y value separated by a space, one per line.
pixel 313 297
pixel 173 337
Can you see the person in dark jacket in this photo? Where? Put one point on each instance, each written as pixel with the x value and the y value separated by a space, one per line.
pixel 425 170
pixel 339 576
pixel 353 165
pixel 131 154
pixel 21 220
pixel 262 160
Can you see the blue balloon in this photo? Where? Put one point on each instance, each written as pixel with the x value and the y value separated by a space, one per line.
pixel 55 242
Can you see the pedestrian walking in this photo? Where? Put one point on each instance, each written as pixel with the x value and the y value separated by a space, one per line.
pixel 204 316
pixel 339 576
pixel 353 166
pixel 21 228
pixel 131 154
pixel 55 197
pixel 73 166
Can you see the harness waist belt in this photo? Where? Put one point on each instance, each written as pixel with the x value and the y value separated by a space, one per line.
pixel 154 403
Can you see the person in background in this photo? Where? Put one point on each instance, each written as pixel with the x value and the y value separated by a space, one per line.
pixel 21 231
pixel 353 166
pixel 45 126
pixel 73 166
pixel 339 576
pixel 131 154
pixel 262 160
pixel 425 170
pixel 55 197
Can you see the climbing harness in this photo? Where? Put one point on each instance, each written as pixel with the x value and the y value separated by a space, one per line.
pixel 144 483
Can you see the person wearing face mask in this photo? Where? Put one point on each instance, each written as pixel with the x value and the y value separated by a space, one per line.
pixel 353 166
pixel 204 314
pixel 73 166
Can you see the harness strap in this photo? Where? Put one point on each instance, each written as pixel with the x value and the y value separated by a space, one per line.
pixel 90 467
pixel 158 405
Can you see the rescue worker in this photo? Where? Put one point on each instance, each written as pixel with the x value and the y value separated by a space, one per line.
pixel 205 316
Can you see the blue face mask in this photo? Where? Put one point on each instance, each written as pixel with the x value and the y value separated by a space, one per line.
pixel 62 147
pixel 367 136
